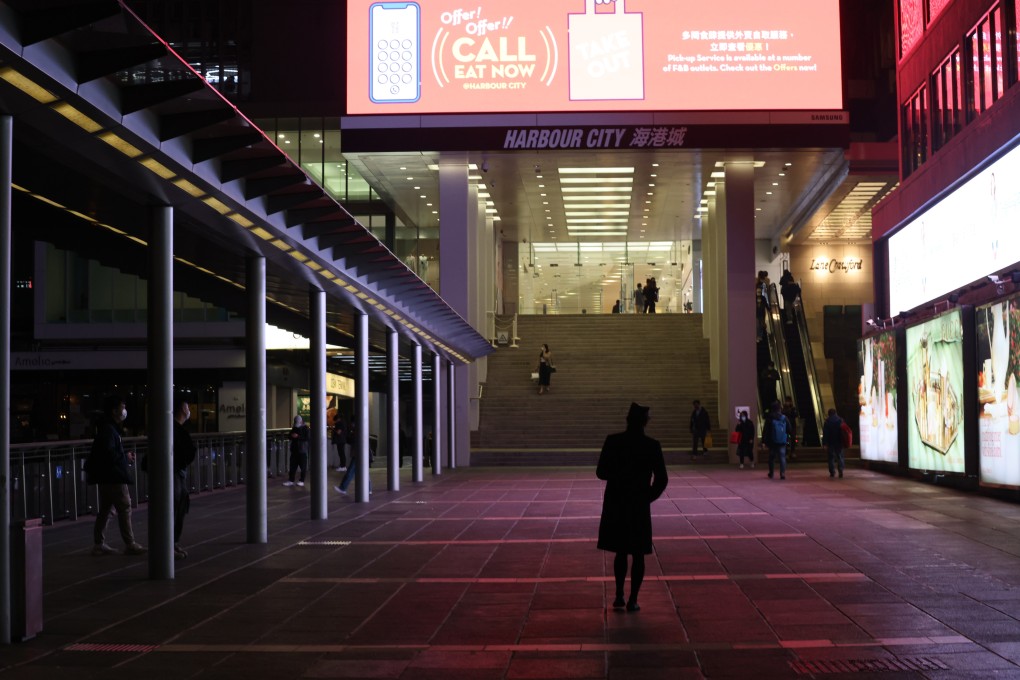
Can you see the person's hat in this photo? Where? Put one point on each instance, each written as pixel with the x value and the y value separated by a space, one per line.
pixel 637 411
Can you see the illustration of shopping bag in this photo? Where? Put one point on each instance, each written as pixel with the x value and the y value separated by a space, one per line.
pixel 606 54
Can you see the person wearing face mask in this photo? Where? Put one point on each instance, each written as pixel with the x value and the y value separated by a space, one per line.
pixel 107 468
pixel 184 455
pixel 745 448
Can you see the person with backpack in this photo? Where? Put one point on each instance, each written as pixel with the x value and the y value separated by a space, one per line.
pixel 775 434
pixel 833 437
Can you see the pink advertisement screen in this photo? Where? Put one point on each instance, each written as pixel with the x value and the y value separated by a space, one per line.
pixel 580 55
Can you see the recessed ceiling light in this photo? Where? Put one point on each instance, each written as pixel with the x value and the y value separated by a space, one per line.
pixel 593 171
pixel 775 184
pixel 403 168
pixel 417 188
pixel 423 196
pixel 768 193
pixel 655 165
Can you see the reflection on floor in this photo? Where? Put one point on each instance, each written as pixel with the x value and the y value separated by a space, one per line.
pixel 484 573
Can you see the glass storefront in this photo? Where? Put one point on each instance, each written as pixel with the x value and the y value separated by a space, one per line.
pixel 589 278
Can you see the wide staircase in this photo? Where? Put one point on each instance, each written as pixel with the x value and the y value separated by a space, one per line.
pixel 603 362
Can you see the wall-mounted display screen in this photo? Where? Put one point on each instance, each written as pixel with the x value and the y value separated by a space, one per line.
pixel 876 358
pixel 935 424
pixel 998 369
pixel 935 254
pixel 488 57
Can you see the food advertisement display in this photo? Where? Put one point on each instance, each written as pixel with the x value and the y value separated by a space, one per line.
pixel 935 423
pixel 998 357
pixel 876 392
pixel 447 56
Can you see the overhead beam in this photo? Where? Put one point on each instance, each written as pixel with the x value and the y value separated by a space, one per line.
pixel 211 147
pixel 93 64
pixel 176 125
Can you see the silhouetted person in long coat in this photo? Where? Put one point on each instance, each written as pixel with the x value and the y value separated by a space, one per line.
pixel 633 466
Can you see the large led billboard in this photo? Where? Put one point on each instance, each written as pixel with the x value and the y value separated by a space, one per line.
pixel 445 56
pixel 876 391
pixel 935 422
pixel 970 233
pixel 998 369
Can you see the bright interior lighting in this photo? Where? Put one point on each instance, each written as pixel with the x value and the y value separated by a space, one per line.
pixel 593 171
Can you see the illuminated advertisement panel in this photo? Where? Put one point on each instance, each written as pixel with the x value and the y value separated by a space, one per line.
pixel 935 423
pixel 998 368
pixel 967 235
pixel 446 56
pixel 876 359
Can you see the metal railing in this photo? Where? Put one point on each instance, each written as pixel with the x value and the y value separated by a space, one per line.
pixel 48 482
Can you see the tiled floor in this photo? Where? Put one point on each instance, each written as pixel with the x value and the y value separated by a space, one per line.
pixel 489 574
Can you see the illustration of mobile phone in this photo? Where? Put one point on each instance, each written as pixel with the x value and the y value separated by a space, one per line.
pixel 395 62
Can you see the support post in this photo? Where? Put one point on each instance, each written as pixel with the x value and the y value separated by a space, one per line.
pixel 392 410
pixel 256 524
pixel 161 384
pixel 317 392
pixel 451 413
pixel 6 142
pixel 437 415
pixel 419 433
pixel 361 478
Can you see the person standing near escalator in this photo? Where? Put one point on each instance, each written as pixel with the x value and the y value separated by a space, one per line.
pixel 761 291
pixel 790 290
pixel 790 411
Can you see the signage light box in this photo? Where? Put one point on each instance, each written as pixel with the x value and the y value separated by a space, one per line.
pixel 998 357
pixel 579 55
pixel 876 392
pixel 935 423
pixel 970 233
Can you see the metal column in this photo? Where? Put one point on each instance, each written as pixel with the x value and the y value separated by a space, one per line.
pixel 451 414
pixel 6 140
pixel 392 410
pixel 161 385
pixel 419 432
pixel 255 401
pixel 317 392
pixel 437 415
pixel 361 406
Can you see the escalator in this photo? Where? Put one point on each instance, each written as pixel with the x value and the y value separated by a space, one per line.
pixel 772 348
pixel 788 346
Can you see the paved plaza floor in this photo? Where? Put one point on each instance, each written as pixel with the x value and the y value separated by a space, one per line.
pixel 485 574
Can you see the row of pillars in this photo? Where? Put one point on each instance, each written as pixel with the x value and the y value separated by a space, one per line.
pixel 255 407
pixel 160 381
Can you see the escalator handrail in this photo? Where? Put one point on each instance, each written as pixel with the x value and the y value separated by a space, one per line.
pixel 777 346
pixel 809 364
